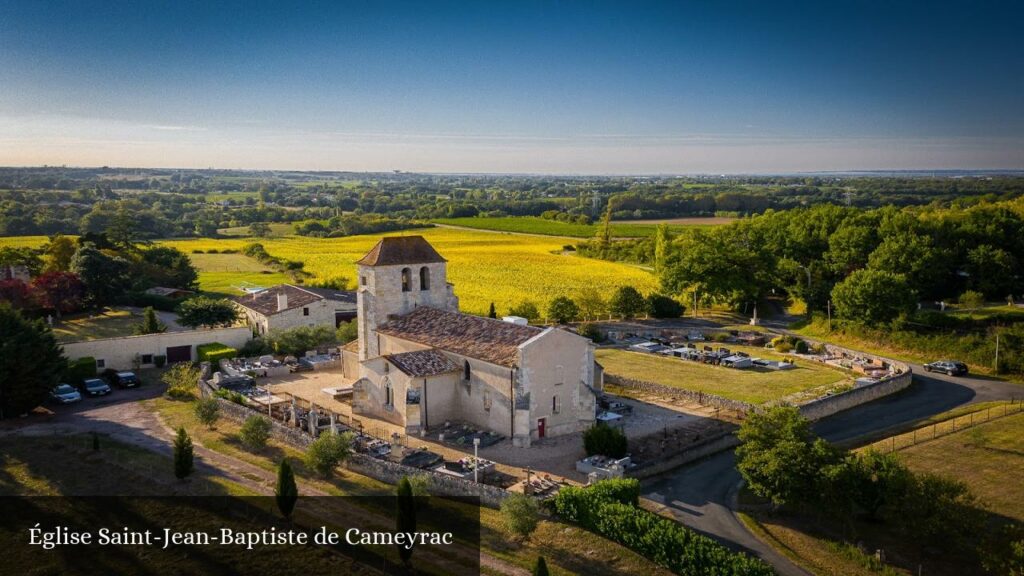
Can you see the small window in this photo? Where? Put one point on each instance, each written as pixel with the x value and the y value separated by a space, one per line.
pixel 101 363
pixel 305 311
pixel 424 278
pixel 406 280
pixel 389 393
pixel 465 371
pixel 556 406
pixel 147 358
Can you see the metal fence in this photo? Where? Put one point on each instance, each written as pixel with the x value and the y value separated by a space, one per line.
pixel 946 427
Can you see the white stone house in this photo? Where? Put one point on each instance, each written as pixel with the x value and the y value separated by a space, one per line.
pixel 421 362
pixel 285 306
pixel 15 272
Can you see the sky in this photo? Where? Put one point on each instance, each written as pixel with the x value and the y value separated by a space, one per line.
pixel 514 87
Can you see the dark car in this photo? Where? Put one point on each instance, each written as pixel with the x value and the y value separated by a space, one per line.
pixel 95 387
pixel 124 379
pixel 950 367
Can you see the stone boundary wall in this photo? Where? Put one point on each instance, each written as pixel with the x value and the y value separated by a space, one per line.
pixel 694 452
pixel 702 398
pixel 824 407
pixel 119 353
pixel 382 470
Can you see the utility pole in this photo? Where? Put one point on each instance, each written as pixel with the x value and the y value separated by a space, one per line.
pixel 829 305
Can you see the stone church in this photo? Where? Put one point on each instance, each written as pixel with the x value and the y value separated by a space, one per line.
pixel 422 363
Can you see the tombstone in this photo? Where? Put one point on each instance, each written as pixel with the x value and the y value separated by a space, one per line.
pixel 334 429
pixel 313 419
pixel 49 320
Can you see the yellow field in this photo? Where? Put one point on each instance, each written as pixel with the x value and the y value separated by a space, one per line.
pixel 485 267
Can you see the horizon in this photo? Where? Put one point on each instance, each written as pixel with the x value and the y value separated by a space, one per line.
pixel 527 89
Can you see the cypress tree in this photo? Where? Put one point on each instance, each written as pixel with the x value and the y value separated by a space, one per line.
pixel 406 515
pixel 492 313
pixel 541 567
pixel 183 465
pixel 286 492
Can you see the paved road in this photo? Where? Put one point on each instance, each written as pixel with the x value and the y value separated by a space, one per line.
pixel 702 495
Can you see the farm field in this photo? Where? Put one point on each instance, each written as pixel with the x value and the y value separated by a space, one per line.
pixel 108 323
pixel 485 267
pixel 224 273
pixel 276 229
pixel 534 225
pixel 755 386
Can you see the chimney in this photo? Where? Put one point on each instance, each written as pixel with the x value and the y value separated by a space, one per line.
pixel 282 301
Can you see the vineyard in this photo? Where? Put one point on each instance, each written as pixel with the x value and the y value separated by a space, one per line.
pixel 485 267
pixel 532 225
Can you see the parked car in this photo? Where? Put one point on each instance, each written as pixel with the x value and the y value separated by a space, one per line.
pixel 95 387
pixel 950 367
pixel 65 394
pixel 124 379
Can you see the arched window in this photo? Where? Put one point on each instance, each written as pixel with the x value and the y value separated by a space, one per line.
pixel 389 393
pixel 465 371
pixel 406 280
pixel 424 278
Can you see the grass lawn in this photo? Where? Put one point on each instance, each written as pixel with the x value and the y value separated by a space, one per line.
pixel 107 324
pixel 989 457
pixel 751 385
pixel 223 273
pixel 535 225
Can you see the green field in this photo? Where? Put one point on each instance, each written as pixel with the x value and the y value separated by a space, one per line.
pixel 534 225
pixel 225 273
pixel 276 229
pixel 753 385
pixel 108 323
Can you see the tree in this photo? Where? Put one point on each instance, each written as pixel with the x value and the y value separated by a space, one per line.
pixel 106 278
pixel 10 256
pixel 150 324
pixel 259 229
pixel 182 380
pixel 167 266
pixel 562 310
pixel 661 306
pixel 59 251
pixel 780 458
pixel 991 271
pixel 605 440
pixel 520 514
pixel 207 411
pixel 286 493
pixel 183 455
pixel 405 521
pixel 16 293
pixel 328 451
pixel 347 332
pixel 123 230
pixel 31 362
pixel 915 257
pixel 525 309
pixel 205 311
pixel 972 300
pixel 627 302
pixel 61 292
pixel 592 305
pixel 540 568
pixel 297 340
pixel 492 313
pixel 873 296
pixel 662 240
pixel 255 432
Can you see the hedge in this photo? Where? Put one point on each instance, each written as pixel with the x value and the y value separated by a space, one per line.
pixel 214 351
pixel 607 508
pixel 81 369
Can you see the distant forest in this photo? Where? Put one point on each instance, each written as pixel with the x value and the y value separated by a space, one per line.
pixel 177 203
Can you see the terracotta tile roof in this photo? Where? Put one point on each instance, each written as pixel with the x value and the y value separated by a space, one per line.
pixel 423 363
pixel 486 339
pixel 394 250
pixel 265 302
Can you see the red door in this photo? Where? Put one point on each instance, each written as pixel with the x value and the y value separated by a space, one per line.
pixel 540 427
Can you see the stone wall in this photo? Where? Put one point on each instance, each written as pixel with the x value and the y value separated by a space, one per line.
pixel 693 452
pixel 896 381
pixel 119 353
pixel 702 398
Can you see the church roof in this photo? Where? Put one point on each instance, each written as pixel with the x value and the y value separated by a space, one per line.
pixel 423 363
pixel 486 339
pixel 396 250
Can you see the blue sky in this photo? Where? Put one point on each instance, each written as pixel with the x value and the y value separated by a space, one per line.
pixel 564 87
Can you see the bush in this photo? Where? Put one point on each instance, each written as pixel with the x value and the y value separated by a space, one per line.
pixel 207 411
pixel 591 331
pixel 520 514
pixel 347 332
pixel 255 347
pixel 328 451
pixel 159 360
pixel 182 381
pixel 79 370
pixel 525 309
pixel 605 440
pixel 661 306
pixel 230 395
pixel 801 347
pixel 212 352
pixel 255 432
pixel 162 303
pixel 298 340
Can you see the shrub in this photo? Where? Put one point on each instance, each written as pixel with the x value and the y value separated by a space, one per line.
pixel 525 309
pixel 212 352
pixel 347 332
pixel 297 340
pixel 605 440
pixel 230 395
pixel 255 347
pixel 661 306
pixel 207 411
pixel 255 432
pixel 182 381
pixel 159 360
pixel 520 514
pixel 801 347
pixel 591 331
pixel 79 370
pixel 328 451
pixel 162 303
pixel 183 463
